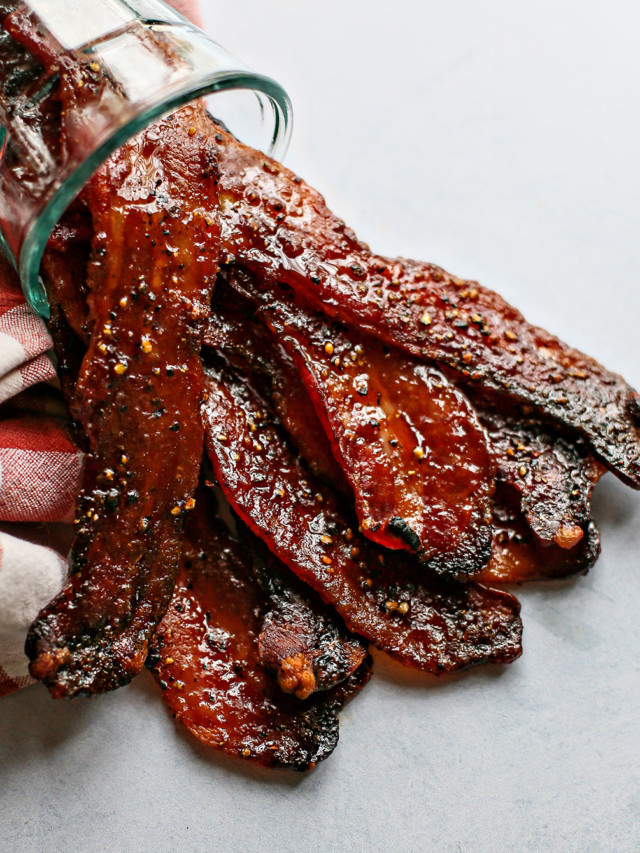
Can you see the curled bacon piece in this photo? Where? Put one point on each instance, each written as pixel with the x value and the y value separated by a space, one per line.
pixel 138 396
pixel 205 657
pixel 302 642
pixel 517 556
pixel 246 343
pixel 554 474
pixel 430 624
pixel 409 442
pixel 280 229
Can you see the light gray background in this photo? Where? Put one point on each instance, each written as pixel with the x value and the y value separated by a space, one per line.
pixel 499 139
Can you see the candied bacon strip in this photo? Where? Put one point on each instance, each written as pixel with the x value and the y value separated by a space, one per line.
pixel 54 105
pixel 293 406
pixel 302 642
pixel 280 229
pixel 64 268
pixel 234 330
pixel 387 598
pixel 554 474
pixel 205 657
pixel 517 556
pixel 409 442
pixel 414 451
pixel 138 399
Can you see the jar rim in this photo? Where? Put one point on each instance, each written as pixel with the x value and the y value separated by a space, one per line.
pixel 40 229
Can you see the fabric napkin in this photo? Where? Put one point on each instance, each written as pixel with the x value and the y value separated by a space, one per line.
pixel 39 472
pixel 40 467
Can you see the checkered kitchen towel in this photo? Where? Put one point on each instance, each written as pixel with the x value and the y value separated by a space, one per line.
pixel 39 470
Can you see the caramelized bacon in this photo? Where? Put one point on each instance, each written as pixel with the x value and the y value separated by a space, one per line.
pixel 234 330
pixel 138 396
pixel 205 657
pixel 389 599
pixel 554 474
pixel 280 229
pixel 64 268
pixel 250 659
pixel 303 642
pixel 409 442
pixel 517 556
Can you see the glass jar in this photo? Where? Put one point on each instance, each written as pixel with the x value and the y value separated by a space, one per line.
pixel 131 62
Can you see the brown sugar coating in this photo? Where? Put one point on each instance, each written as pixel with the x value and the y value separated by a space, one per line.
pixel 205 657
pixel 518 556
pixel 386 597
pixel 235 331
pixel 303 642
pixel 553 473
pixel 280 230
pixel 392 439
pixel 409 442
pixel 137 397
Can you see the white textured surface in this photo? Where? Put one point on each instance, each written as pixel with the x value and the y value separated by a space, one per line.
pixel 500 140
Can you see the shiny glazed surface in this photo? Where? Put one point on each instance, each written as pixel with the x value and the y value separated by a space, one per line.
pixel 205 658
pixel 279 228
pixel 554 474
pixel 243 339
pixel 303 642
pixel 409 442
pixel 518 556
pixel 137 397
pixel 281 248
pixel 387 598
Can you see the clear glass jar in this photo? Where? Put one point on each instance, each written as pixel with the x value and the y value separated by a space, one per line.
pixel 148 59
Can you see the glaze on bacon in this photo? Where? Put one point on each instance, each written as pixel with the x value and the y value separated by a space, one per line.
pixel 356 408
pixel 281 231
pixel 386 597
pixel 517 556
pixel 554 474
pixel 205 657
pixel 137 397
pixel 302 642
pixel 234 330
pixel 409 442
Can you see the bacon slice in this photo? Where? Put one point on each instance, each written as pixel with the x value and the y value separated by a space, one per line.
pixel 64 268
pixel 234 330
pixel 280 229
pixel 302 642
pixel 554 474
pixel 138 397
pixel 387 598
pixel 517 556
pixel 411 445
pixel 205 657
pixel 409 442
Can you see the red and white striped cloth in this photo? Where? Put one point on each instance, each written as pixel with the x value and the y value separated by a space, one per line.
pixel 39 472
pixel 39 469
